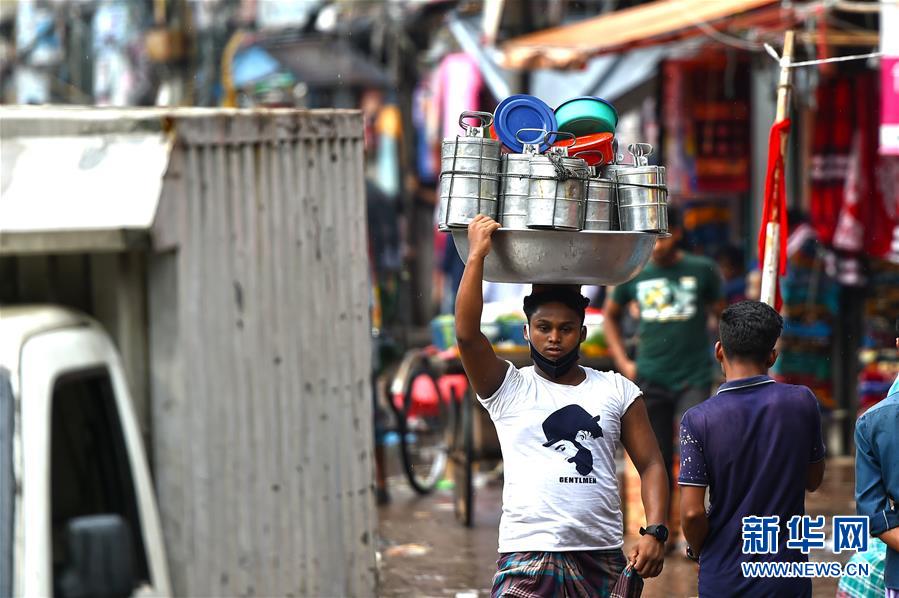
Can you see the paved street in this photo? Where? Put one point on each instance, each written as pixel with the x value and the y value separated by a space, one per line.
pixel 424 552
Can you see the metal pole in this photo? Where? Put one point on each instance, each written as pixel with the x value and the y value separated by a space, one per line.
pixel 772 227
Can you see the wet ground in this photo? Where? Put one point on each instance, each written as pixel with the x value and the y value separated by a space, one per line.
pixel 424 552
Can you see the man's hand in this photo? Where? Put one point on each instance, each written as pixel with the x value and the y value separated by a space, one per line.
pixel 480 230
pixel 629 370
pixel 647 556
pixel 891 538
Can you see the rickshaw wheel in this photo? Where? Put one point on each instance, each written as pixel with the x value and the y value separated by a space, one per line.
pixel 424 436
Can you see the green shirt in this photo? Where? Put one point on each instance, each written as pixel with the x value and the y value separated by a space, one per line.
pixel 674 349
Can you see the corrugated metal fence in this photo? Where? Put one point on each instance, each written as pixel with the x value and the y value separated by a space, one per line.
pixel 260 356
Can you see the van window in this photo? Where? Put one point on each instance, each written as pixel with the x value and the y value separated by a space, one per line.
pixel 7 485
pixel 90 470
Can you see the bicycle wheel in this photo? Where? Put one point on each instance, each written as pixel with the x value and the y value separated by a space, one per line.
pixel 425 435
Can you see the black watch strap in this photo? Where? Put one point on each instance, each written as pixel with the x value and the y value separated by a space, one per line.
pixel 658 531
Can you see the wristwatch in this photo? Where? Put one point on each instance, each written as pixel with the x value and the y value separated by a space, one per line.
pixel 658 531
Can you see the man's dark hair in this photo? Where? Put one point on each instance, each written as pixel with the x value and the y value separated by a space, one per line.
pixel 564 295
pixel 748 330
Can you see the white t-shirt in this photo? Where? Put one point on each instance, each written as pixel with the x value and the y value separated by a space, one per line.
pixel 558 441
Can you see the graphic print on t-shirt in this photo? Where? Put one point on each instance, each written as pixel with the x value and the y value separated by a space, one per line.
pixel 566 432
pixel 663 299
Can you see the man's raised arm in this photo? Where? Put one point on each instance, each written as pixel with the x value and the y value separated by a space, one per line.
pixel 484 369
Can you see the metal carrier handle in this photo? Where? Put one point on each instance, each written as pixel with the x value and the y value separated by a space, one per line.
pixel 640 151
pixel 533 146
pixel 484 118
pixel 557 153
pixel 594 170
pixel 562 150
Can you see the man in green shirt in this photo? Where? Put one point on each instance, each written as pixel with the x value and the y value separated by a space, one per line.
pixel 675 293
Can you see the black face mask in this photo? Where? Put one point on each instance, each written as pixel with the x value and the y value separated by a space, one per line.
pixel 558 368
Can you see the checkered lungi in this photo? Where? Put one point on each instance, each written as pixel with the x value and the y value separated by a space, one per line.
pixel 573 574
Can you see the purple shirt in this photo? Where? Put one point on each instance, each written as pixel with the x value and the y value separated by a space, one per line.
pixel 751 445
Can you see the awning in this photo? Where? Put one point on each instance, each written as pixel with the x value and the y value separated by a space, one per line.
pixel 658 22
pixel 609 76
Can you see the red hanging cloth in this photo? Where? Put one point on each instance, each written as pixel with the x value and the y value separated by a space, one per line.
pixel 775 197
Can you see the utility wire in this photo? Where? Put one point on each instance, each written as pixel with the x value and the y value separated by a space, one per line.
pixel 787 64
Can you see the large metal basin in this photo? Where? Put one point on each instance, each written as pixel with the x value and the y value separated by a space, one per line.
pixel 562 257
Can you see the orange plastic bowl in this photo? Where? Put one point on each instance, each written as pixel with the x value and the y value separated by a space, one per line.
pixel 595 148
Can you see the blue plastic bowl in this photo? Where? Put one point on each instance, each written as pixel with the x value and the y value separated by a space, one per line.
pixel 519 112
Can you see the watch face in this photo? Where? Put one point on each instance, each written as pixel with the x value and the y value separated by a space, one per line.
pixel 660 532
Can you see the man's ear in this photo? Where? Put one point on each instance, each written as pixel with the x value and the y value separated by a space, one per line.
pixel 527 336
pixel 719 352
pixel 583 333
pixel 771 358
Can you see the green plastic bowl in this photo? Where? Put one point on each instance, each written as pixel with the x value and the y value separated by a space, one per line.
pixel 586 115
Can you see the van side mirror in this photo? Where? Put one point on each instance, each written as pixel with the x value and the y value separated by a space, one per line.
pixel 99 558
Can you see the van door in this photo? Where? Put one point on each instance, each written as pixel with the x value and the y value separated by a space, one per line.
pixel 86 487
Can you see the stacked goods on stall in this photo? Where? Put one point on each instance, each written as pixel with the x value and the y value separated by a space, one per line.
pixel 505 330
pixel 879 360
pixel 811 300
pixel 595 344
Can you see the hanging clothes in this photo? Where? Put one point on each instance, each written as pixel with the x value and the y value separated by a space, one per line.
pixel 854 190
pixel 458 85
pixel 830 155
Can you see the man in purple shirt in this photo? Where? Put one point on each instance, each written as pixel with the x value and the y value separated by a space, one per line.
pixel 756 446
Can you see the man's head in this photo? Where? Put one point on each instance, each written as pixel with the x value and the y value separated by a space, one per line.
pixel 748 331
pixel 555 316
pixel 666 249
pixel 567 429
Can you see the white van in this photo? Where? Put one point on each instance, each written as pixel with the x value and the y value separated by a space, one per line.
pixel 78 514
